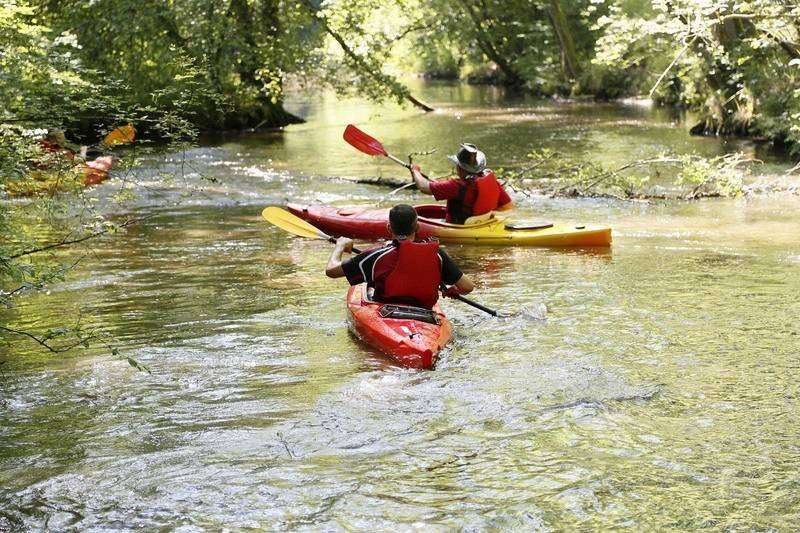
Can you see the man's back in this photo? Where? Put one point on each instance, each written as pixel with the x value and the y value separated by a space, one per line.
pixel 403 272
pixel 466 197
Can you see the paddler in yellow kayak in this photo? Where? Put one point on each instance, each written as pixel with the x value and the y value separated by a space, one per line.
pixel 403 271
pixel 474 192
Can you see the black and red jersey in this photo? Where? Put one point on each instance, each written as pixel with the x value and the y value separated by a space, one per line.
pixel 377 266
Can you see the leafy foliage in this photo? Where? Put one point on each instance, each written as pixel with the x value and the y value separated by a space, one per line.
pixel 737 63
pixel 45 85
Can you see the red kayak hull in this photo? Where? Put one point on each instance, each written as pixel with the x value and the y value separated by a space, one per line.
pixel 96 171
pixel 366 224
pixel 372 224
pixel 411 343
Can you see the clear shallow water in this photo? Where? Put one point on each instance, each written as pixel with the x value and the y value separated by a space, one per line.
pixel 660 393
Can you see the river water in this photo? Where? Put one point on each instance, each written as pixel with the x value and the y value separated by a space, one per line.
pixel 660 393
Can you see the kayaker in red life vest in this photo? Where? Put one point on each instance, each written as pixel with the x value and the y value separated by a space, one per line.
pixel 403 271
pixel 475 191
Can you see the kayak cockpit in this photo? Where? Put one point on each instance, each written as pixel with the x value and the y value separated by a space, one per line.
pixel 434 211
pixel 400 311
pixel 435 215
pixel 407 312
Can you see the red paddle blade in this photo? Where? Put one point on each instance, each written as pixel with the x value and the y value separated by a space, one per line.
pixel 362 142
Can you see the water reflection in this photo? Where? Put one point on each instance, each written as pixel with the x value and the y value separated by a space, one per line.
pixel 659 394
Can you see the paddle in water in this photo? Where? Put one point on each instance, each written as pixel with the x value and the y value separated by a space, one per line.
pixel 297 226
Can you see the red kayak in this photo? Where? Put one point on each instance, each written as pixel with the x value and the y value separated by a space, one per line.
pixel 412 336
pixel 492 229
pixel 96 171
pixel 47 181
pixel 93 172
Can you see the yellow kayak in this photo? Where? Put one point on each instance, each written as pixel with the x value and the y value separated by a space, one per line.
pixel 494 229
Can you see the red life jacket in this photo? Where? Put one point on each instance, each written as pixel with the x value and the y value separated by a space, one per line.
pixel 479 195
pixel 416 276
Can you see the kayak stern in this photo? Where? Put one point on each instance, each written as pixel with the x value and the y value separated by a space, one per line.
pixel 411 343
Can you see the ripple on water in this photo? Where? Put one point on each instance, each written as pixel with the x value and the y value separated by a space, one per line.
pixel 660 393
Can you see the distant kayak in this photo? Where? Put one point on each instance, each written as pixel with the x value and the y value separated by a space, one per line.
pixel 61 174
pixel 497 230
pixel 412 336
pixel 96 171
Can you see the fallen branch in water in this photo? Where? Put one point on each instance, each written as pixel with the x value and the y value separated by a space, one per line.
pixel 685 177
pixel 682 177
pixel 383 181
pixel 613 173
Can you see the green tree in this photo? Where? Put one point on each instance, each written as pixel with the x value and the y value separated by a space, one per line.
pixel 735 63
pixel 241 49
pixel 539 46
pixel 569 57
pixel 366 32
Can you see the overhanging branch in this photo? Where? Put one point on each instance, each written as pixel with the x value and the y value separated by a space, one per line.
pixel 362 64
pixel 43 341
pixel 67 241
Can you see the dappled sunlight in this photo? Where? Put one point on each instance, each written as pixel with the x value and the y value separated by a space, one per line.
pixel 179 351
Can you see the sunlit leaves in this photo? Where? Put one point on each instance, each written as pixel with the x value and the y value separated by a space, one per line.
pixel 722 53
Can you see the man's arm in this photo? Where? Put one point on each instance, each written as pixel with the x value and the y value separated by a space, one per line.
pixel 422 183
pixel 464 285
pixel 334 268
pixel 504 202
pixel 452 275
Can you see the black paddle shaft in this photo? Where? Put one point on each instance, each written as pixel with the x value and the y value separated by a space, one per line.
pixel 475 304
pixel 467 301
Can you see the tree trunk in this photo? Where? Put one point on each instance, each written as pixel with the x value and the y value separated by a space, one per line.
pixel 243 18
pixel 511 77
pixel 270 111
pixel 569 59
pixel 730 106
pixel 724 114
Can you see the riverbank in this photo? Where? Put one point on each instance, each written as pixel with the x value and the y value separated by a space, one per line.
pixel 764 129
